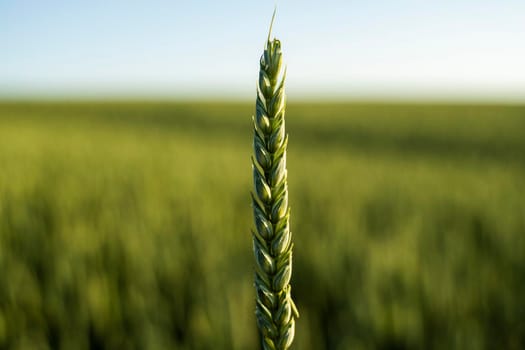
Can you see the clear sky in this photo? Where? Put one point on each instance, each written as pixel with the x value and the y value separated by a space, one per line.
pixel 338 49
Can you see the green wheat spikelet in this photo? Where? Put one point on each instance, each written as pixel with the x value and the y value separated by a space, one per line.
pixel 272 238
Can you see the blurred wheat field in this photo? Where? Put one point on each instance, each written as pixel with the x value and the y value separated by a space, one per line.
pixel 127 226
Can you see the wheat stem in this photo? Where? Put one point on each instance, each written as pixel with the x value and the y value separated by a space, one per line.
pixel 272 238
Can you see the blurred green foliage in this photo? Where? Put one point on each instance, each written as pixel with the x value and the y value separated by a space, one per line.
pixel 127 226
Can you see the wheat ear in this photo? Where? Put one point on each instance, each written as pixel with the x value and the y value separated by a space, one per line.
pixel 272 239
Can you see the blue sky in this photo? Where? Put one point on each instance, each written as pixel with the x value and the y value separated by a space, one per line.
pixel 459 49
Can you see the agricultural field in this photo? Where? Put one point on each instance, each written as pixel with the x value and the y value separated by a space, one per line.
pixel 126 225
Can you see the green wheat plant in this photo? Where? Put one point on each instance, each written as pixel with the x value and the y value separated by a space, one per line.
pixel 272 238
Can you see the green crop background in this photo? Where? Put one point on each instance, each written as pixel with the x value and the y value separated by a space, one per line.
pixel 127 226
